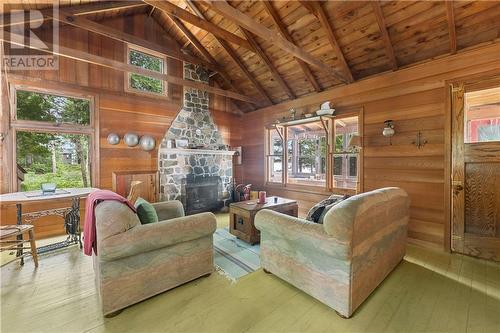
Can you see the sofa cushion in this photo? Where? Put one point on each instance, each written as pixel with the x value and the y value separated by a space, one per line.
pixel 145 211
pixel 318 211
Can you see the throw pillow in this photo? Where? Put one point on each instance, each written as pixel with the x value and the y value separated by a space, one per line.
pixel 145 211
pixel 339 198
pixel 318 211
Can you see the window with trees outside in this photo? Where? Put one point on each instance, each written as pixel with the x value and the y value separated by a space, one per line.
pixel 147 60
pixel 275 158
pixel 345 161
pixel 53 140
pixel 306 154
pixel 307 160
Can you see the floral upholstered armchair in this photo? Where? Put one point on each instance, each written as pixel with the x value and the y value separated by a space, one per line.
pixel 341 261
pixel 136 261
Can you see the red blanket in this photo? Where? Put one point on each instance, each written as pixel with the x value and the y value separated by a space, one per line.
pixel 89 232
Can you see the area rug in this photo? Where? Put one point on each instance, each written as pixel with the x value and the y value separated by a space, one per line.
pixel 233 257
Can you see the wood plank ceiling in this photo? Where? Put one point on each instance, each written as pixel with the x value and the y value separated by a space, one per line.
pixel 354 39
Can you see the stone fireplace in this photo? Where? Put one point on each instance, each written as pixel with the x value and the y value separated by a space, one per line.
pixel 201 178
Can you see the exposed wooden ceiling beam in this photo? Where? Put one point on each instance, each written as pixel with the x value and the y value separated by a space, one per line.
pixel 186 16
pixel 87 9
pixel 117 65
pixel 116 34
pixel 451 26
pixel 196 43
pixel 232 54
pixel 247 73
pixel 102 6
pixel 304 67
pixel 276 75
pixel 377 9
pixel 191 38
pixel 267 61
pixel 318 11
pixel 267 34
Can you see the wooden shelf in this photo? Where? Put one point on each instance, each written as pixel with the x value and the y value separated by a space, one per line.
pixel 187 151
pixel 303 120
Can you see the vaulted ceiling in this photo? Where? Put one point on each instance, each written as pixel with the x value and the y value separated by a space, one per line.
pixel 274 51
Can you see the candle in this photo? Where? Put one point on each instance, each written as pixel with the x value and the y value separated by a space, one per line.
pixel 262 197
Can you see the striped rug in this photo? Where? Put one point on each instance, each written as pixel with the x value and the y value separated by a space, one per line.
pixel 234 257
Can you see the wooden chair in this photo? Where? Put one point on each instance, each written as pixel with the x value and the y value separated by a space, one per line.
pixel 135 191
pixel 10 241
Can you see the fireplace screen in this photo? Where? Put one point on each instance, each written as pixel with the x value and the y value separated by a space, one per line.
pixel 202 194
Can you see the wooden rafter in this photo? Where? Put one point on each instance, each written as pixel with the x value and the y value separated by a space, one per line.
pixel 268 62
pixel 267 34
pixel 117 65
pixel 317 10
pixel 247 73
pixel 102 6
pixel 232 54
pixel 87 9
pixel 451 26
pixel 377 9
pixel 196 43
pixel 117 34
pixel 186 16
pixel 304 67
pixel 191 38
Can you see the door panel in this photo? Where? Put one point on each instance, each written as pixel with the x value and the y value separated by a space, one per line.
pixel 482 195
pixel 476 171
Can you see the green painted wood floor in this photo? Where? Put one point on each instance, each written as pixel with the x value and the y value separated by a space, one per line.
pixel 429 291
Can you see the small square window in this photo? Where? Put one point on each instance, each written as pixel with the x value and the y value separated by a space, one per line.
pixel 482 116
pixel 144 83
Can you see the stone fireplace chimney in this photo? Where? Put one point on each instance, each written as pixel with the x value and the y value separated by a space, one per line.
pixel 210 168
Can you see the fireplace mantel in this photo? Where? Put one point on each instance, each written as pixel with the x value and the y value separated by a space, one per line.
pixel 187 151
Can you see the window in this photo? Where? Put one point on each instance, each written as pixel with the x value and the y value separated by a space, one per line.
pixel 306 154
pixel 345 162
pixel 275 158
pixel 307 161
pixel 147 60
pixel 53 139
pixel 482 116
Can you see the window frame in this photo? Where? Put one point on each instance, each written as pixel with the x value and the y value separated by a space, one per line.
pixel 329 183
pixel 127 75
pixel 18 125
pixel 324 182
pixel 268 155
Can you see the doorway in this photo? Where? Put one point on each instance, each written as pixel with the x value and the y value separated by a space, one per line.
pixel 475 169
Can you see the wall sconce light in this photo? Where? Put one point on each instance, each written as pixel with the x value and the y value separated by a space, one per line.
pixel 388 131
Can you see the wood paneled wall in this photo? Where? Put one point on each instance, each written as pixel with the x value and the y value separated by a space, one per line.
pixel 416 100
pixel 119 111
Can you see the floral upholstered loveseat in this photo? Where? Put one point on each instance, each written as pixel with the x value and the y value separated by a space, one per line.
pixel 341 261
pixel 136 261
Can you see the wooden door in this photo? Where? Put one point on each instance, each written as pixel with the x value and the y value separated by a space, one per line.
pixel 475 179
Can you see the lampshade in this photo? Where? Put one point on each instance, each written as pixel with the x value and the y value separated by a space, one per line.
pixel 354 142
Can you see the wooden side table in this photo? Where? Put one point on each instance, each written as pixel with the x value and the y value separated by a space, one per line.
pixel 242 215
pixel 12 239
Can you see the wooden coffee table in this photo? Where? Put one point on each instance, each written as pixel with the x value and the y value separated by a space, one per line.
pixel 242 215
